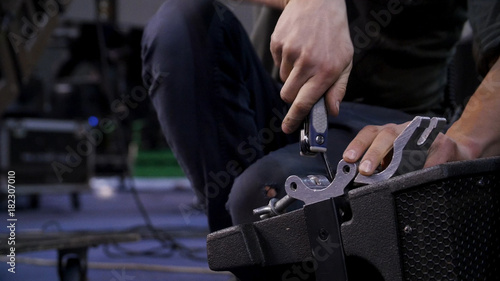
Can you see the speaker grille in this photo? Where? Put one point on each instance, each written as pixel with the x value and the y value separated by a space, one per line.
pixel 450 230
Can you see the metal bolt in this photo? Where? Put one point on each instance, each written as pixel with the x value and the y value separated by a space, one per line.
pixel 320 139
pixel 408 229
pixel 315 179
pixel 323 234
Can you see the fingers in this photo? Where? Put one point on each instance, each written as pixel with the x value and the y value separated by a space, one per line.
pixel 373 145
pixel 314 55
pixel 299 109
pixel 308 94
pixel 377 141
pixel 381 145
pixel 336 93
pixel 286 63
pixel 305 86
pixel 298 78
pixel 276 53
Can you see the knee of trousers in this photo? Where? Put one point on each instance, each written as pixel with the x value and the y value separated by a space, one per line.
pixel 167 31
pixel 178 22
pixel 266 179
pixel 181 38
pixel 254 188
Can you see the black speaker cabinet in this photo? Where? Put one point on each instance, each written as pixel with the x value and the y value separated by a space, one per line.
pixel 46 155
pixel 441 223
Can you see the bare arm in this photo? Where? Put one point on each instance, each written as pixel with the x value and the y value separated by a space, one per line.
pixel 475 135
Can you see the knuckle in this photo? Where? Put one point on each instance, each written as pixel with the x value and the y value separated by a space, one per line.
pixel 305 59
pixel 285 97
pixel 371 129
pixel 290 52
pixel 358 143
pixel 346 46
pixel 275 39
pixel 349 49
pixel 276 44
pixel 328 70
pixel 302 108
pixel 340 89
pixel 390 129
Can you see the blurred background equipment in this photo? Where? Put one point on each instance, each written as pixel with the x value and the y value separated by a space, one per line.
pixel 81 70
pixel 29 146
pixel 75 118
pixel 48 156
pixel 25 30
pixel 8 79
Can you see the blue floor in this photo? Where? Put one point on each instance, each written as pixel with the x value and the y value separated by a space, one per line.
pixel 107 208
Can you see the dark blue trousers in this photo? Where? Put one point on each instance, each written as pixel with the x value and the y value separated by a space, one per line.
pixel 221 112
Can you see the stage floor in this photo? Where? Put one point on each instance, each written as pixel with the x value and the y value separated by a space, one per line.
pixel 170 205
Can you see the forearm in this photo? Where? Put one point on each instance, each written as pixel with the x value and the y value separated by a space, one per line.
pixel 476 134
pixel 478 129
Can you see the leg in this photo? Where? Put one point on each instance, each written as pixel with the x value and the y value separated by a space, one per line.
pixel 250 189
pixel 218 108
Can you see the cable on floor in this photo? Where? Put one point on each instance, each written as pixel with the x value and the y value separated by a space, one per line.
pixel 126 266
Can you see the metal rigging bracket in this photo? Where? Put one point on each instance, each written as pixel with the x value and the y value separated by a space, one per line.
pixel 409 154
pixel 319 192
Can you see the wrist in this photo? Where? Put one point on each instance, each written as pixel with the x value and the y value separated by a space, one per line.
pixel 477 128
pixel 467 145
pixel 475 137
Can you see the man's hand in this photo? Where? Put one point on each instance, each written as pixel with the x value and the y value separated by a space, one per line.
pixel 446 149
pixel 375 142
pixel 476 134
pixel 312 46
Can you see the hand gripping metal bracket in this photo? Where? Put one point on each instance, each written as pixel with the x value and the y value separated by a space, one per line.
pixel 409 154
